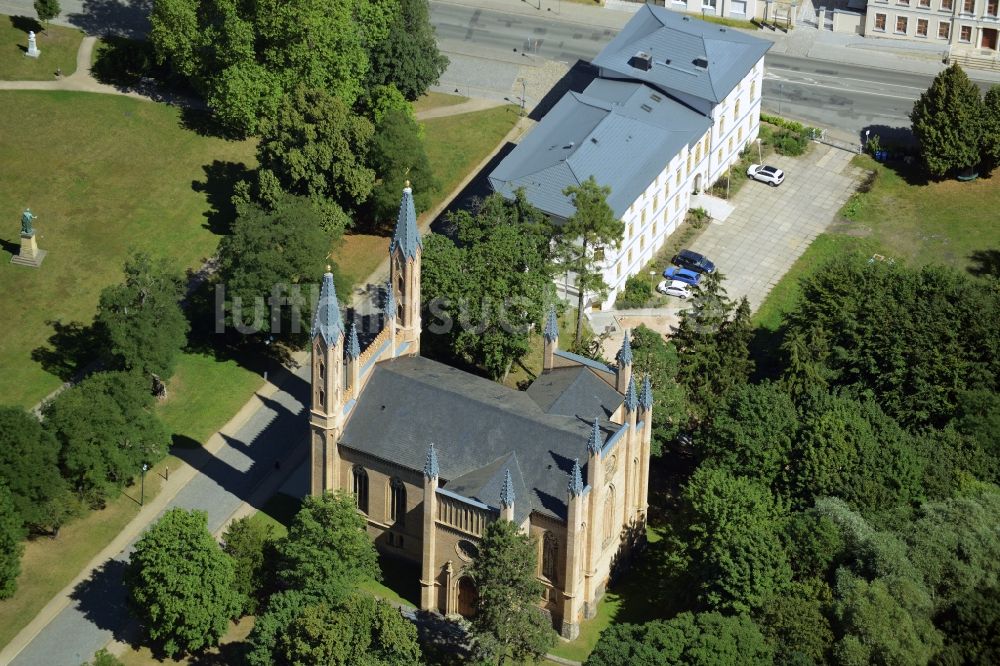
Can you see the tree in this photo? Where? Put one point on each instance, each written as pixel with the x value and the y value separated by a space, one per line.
pixel 397 156
pixel 689 639
pixel 29 466
pixel 508 624
pixel 408 58
pixel 328 552
pixel 181 585
pixel 592 226
pixel 732 526
pixel 104 658
pixel 796 625
pixel 948 122
pixel 484 293
pixel 106 431
pixel 12 535
pixel 712 340
pixel 991 124
pixel 251 545
pixel 143 319
pixel 753 432
pixel 972 629
pixel 657 358
pixel 316 146
pixel 47 10
pixel 273 250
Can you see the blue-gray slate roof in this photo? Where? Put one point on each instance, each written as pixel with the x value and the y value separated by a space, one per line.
pixel 621 133
pixel 686 55
pixel 328 322
pixel 406 237
pixel 488 484
pixel 479 428
pixel 574 391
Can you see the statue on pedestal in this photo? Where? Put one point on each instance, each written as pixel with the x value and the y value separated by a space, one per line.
pixel 32 45
pixel 26 219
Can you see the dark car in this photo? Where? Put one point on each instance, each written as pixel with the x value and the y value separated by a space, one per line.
pixel 693 261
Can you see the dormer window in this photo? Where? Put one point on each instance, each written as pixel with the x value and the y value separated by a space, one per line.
pixel 641 60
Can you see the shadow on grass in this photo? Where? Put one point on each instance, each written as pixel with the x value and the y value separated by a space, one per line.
pixel 220 179
pixel 11 246
pixel 69 349
pixel 25 24
pixel 985 263
pixel 124 18
pixel 400 575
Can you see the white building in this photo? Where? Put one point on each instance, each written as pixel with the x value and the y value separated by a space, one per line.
pixel 676 101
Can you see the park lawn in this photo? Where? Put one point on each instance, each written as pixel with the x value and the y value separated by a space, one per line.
pixel 49 565
pixel 57 44
pixel 455 145
pixel 528 368
pixel 436 100
pixel 105 175
pixel 237 633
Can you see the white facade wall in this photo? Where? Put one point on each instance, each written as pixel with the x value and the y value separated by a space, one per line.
pixel 661 208
pixel 734 9
pixel 968 24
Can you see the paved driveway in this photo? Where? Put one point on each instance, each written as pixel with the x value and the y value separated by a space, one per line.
pixel 772 226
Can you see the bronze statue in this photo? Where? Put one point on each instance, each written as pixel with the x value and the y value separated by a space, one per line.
pixel 26 218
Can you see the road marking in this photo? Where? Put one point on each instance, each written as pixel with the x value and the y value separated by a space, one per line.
pixel 840 88
pixel 843 78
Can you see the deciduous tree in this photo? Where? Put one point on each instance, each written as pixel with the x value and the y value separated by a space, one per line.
pixel 143 319
pixel 948 122
pixel 508 624
pixel 46 10
pixel 181 585
pixel 29 465
pixel 251 545
pixel 397 156
pixel 658 359
pixel 12 535
pixel 408 58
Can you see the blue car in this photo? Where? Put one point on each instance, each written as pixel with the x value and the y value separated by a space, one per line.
pixel 682 275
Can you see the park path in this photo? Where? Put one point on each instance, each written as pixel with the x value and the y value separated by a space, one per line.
pixel 468 106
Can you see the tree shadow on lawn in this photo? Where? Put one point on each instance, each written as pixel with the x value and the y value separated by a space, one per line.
pixel 70 349
pixel 220 179
pixel 26 24
pixel 10 246
pixel 903 155
pixel 124 18
pixel 985 263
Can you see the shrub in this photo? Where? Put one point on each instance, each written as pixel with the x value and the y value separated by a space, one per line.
pixel 787 142
pixel 636 293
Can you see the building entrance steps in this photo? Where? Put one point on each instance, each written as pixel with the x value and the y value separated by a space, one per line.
pixel 718 209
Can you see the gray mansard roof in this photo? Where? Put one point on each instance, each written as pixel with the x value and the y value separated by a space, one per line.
pixel 725 55
pixel 479 429
pixel 620 132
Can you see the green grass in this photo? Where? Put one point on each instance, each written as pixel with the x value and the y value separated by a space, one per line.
pixel 57 44
pixel 204 394
pixel 436 100
pixel 105 175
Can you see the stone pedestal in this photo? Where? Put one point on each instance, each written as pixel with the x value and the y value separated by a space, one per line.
pixel 33 53
pixel 30 255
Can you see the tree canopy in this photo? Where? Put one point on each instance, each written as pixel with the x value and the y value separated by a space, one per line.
pixel 408 58
pixel 252 546
pixel 181 585
pixel 12 534
pixel 143 319
pixel 46 10
pixel 508 624
pixel 29 466
pixel 948 122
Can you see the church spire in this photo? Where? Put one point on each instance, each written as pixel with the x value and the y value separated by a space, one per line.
pixel 646 397
pixel 406 238
pixel 596 441
pixel 507 491
pixel 631 397
pixel 551 325
pixel 575 479
pixel 431 464
pixel 353 346
pixel 327 321
pixel 625 353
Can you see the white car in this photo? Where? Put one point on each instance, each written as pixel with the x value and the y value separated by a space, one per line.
pixel 674 288
pixel 773 176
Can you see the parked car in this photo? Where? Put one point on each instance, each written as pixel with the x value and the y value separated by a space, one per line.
pixel 682 275
pixel 773 176
pixel 674 288
pixel 693 261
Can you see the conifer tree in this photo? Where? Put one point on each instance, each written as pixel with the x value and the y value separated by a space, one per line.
pixel 948 122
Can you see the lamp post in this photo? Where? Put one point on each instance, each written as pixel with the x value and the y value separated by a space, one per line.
pixel 524 92
pixel 142 485
pixel 867 132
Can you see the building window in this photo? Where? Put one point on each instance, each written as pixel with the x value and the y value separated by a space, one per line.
pixel 689 164
pixel 924 3
pixel 944 30
pixel 643 217
pixel 739 134
pixel 609 514
pixel 736 111
pixel 753 90
pixel 720 150
pixel 656 202
pixel 705 143
pixel 599 253
pixel 722 125
pixel 921 27
pixel 991 8
pixel 397 502
pixel 697 153
pixel 901 24
pixel 965 33
pixel 618 270
pixel 968 6
pixel 730 144
pixel 903 2
pixel 947 5
pixel 630 256
pixel 549 551
pixel 642 242
pixel 880 22
pixel 361 488
pixel 678 178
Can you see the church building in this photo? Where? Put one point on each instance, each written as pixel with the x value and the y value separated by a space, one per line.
pixel 433 454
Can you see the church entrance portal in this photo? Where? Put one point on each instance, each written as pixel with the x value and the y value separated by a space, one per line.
pixel 467 597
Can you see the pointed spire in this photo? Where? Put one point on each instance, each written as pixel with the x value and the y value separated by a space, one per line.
pixel 406 238
pixel 646 397
pixel 507 491
pixel 327 321
pixel 431 464
pixel 631 397
pixel 353 347
pixel 551 325
pixel 575 479
pixel 625 353
pixel 596 441
pixel 390 300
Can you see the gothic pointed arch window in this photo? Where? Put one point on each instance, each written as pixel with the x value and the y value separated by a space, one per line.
pixel 609 514
pixel 397 502
pixel 361 488
pixel 550 550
